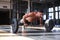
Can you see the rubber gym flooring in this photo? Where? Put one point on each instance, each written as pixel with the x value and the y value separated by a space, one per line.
pixel 35 33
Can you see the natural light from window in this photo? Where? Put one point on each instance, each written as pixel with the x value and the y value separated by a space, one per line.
pixel 56 15
pixel 59 7
pixel 50 10
pixel 56 8
pixel 44 17
pixel 51 16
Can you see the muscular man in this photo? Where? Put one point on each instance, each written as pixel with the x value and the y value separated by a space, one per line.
pixel 30 17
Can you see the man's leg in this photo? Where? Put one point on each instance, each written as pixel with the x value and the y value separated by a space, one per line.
pixel 23 27
pixel 21 22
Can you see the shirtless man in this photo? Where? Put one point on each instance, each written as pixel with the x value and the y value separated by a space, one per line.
pixel 29 17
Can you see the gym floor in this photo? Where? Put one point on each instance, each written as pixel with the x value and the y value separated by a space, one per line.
pixel 35 33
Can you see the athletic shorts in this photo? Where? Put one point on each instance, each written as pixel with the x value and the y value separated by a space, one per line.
pixel 26 21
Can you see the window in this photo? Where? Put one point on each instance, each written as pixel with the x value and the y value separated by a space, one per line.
pixel 50 10
pixel 56 8
pixel 59 7
pixel 44 17
pixel 56 15
pixel 51 16
pixel 59 15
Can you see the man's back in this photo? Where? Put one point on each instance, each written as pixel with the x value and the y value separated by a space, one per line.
pixel 30 16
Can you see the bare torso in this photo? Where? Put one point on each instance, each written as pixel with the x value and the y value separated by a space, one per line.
pixel 33 16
